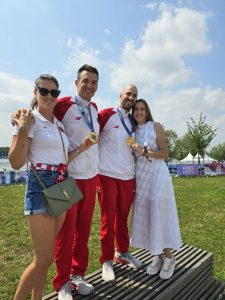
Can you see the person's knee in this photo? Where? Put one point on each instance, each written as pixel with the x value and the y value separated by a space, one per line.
pixel 44 262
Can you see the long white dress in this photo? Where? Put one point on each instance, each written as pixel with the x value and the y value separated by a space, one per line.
pixel 155 223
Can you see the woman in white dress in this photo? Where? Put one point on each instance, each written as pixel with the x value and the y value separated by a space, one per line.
pixel 155 224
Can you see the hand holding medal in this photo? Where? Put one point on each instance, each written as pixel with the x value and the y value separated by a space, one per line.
pixel 89 141
pixel 93 137
pixel 130 140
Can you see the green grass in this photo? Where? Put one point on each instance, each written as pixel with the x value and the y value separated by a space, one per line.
pixel 201 208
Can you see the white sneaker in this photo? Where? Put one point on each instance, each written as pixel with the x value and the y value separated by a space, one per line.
pixel 82 286
pixel 155 265
pixel 107 271
pixel 167 268
pixel 65 292
pixel 127 258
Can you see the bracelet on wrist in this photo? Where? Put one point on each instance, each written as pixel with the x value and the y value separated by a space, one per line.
pixel 145 151
pixel 77 150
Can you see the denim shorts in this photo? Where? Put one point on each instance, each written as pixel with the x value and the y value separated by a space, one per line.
pixel 33 203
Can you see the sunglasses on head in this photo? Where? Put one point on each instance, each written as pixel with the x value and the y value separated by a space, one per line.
pixel 45 92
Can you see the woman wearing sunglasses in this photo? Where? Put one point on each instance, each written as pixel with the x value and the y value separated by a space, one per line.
pixel 37 138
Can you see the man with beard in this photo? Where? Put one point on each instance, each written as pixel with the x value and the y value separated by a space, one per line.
pixel 117 182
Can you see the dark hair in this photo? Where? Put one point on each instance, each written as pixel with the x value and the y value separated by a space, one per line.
pixel 38 81
pixel 87 68
pixel 148 112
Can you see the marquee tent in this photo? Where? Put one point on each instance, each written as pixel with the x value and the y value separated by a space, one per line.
pixel 189 159
pixel 206 159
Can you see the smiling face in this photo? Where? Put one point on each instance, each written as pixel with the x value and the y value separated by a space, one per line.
pixel 47 102
pixel 128 97
pixel 140 113
pixel 87 84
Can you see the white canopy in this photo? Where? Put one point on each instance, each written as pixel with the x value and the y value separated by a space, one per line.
pixel 189 159
pixel 206 159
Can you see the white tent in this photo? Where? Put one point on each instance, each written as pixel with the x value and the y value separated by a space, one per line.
pixel 206 159
pixel 189 159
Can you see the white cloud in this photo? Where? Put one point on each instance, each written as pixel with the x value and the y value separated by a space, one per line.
pixel 174 109
pixel 80 54
pixel 158 59
pixel 107 31
pixel 14 85
pixel 103 102
pixel 15 93
pixel 151 5
pixel 5 62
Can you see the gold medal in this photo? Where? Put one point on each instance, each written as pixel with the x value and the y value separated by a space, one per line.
pixel 93 137
pixel 130 140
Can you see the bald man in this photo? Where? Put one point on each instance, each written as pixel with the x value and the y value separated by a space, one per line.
pixel 116 182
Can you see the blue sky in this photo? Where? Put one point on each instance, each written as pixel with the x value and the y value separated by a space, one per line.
pixel 174 51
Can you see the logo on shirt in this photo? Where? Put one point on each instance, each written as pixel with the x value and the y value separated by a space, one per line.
pixel 77 118
pixel 116 126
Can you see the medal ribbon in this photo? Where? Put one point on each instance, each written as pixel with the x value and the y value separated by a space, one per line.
pixel 84 115
pixel 123 122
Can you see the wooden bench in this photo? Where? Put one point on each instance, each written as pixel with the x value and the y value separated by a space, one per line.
pixel 192 280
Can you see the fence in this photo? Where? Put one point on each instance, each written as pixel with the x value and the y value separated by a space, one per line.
pixel 18 177
pixel 197 169
pixel 13 177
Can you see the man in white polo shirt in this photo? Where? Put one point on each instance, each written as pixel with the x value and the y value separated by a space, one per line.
pixel 117 183
pixel 79 116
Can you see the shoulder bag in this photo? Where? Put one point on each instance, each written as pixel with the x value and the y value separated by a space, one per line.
pixel 60 196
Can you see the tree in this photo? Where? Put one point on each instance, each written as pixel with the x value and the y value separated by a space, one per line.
pixel 183 146
pixel 171 137
pixel 4 151
pixel 201 134
pixel 218 152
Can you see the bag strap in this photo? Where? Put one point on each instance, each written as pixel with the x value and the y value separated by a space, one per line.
pixel 38 178
pixel 62 144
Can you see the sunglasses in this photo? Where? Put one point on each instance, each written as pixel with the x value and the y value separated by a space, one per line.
pixel 45 92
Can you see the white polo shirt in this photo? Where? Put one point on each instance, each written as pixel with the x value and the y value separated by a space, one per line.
pixel 46 146
pixel 115 156
pixel 85 165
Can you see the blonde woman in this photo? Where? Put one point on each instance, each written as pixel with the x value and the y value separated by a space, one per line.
pixel 37 138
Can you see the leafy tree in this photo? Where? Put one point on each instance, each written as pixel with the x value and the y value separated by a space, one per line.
pixel 171 137
pixel 4 151
pixel 183 146
pixel 218 152
pixel 201 134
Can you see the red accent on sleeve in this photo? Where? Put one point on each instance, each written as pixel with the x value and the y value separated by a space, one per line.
pixel 104 116
pixel 63 104
pixel 94 105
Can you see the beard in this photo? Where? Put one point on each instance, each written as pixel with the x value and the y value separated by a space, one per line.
pixel 128 105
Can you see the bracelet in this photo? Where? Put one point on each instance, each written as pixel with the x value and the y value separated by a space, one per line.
pixel 77 150
pixel 145 151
